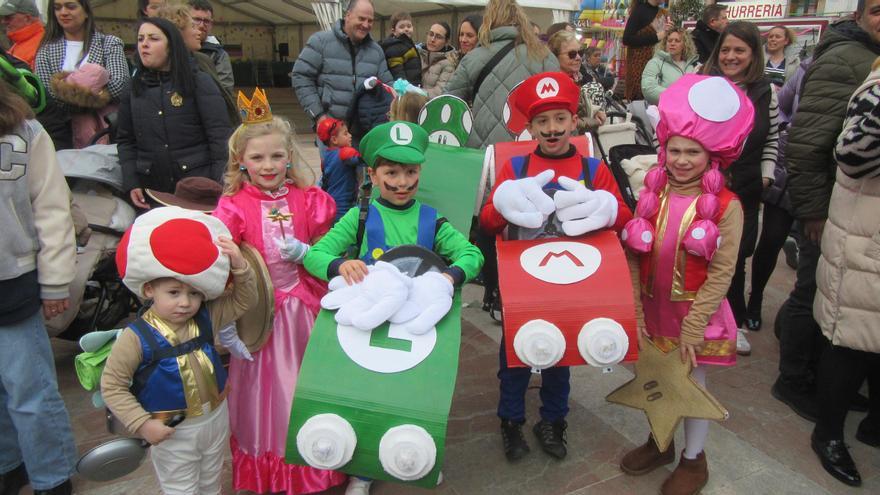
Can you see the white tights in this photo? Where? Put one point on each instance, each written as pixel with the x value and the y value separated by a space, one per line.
pixel 696 430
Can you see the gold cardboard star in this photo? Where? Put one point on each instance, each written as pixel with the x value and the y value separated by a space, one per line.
pixel 664 389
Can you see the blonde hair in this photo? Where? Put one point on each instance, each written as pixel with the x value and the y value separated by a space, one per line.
pixel 688 48
pixel 177 13
pixel 407 107
pixel 301 175
pixel 560 38
pixel 500 13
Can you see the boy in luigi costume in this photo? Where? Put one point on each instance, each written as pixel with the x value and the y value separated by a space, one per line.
pixel 394 152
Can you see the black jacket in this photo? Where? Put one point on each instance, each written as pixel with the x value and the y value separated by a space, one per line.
pixel 745 172
pixel 841 61
pixel 165 136
pixel 704 39
pixel 403 59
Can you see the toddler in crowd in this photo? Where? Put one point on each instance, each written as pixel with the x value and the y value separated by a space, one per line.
pixel 340 165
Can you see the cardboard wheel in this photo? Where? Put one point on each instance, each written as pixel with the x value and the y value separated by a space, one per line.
pixel 414 260
pixel 255 325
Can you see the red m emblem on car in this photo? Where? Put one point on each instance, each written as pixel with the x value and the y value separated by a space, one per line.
pixel 565 253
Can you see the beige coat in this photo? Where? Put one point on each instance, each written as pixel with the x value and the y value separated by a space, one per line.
pixel 437 69
pixel 847 305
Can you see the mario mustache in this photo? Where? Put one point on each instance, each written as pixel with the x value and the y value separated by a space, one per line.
pixel 405 189
pixel 551 135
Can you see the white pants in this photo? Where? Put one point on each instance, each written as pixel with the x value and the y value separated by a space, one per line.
pixel 190 462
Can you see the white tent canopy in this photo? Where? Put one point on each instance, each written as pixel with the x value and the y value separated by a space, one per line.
pixel 301 11
pixel 280 12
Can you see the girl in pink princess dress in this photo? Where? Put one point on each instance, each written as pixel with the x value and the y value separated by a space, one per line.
pixel 269 204
pixel 682 247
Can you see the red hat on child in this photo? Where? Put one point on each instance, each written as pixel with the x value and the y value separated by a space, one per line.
pixel 546 91
pixel 177 243
pixel 328 128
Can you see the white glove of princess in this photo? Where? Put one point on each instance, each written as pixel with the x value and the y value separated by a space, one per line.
pixel 581 210
pixel 523 202
pixel 292 249
pixel 429 300
pixel 229 339
pixel 371 302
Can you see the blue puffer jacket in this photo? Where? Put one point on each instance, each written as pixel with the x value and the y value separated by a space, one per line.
pixel 331 67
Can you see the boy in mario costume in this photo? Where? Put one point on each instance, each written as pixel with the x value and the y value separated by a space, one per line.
pixel 340 172
pixel 164 363
pixel 553 191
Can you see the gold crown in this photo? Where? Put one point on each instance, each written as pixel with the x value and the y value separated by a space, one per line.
pixel 255 110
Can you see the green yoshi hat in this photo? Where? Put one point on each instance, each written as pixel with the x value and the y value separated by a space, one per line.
pixel 398 141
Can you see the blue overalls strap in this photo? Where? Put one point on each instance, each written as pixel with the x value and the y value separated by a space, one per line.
pixel 375 228
pixel 153 353
pixel 375 234
pixel 520 166
pixel 427 227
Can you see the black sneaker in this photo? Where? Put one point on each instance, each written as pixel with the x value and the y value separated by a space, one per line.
pixel 552 437
pixel 65 488
pixel 515 446
pixel 800 397
pixel 753 312
pixel 13 481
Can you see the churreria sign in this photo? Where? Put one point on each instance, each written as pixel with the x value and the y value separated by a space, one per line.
pixel 753 10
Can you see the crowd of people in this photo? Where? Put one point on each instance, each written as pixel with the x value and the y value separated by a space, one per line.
pixel 750 132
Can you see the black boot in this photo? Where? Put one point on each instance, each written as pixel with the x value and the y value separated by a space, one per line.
pixel 868 433
pixel 65 488
pixel 13 481
pixel 552 437
pixel 797 395
pixel 515 446
pixel 859 403
pixel 836 460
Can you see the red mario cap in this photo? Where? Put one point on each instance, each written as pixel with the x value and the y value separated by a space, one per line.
pixel 546 91
pixel 328 128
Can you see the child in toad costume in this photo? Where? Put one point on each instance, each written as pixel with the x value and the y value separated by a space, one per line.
pixel 164 363
pixel 682 247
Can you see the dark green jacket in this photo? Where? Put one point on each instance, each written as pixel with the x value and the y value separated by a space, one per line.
pixel 841 62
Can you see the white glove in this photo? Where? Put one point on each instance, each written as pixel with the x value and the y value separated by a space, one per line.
pixel 523 202
pixel 429 300
pixel 369 303
pixel 581 210
pixel 292 249
pixel 229 339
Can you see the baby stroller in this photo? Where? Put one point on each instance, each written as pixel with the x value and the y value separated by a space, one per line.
pixel 98 300
pixel 625 143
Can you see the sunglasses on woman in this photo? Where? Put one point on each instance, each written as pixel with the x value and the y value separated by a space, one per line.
pixel 573 54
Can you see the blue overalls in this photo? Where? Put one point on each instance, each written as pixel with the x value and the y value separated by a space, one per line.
pixel 555 386
pixel 375 231
pixel 157 383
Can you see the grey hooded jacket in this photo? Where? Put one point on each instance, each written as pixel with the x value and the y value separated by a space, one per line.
pixel 488 106
pixel 330 69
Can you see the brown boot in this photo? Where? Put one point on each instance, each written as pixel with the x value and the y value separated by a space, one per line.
pixel 688 478
pixel 646 458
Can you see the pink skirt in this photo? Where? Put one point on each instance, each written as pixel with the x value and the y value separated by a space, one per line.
pixel 260 398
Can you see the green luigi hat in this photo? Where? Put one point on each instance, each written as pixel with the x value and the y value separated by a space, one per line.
pixel 398 141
